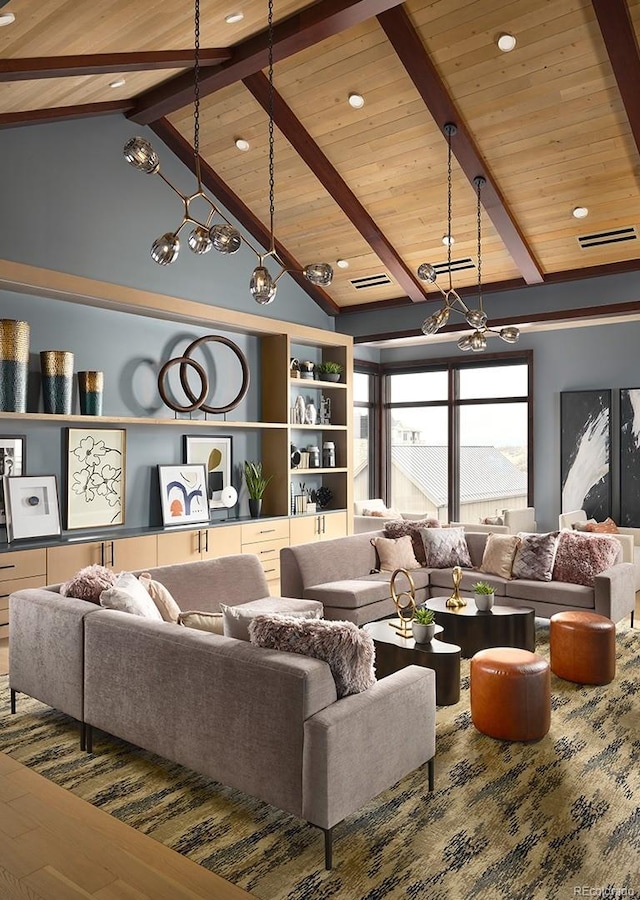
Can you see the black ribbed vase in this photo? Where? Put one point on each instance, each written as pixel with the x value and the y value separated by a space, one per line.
pixel 14 365
pixel 57 380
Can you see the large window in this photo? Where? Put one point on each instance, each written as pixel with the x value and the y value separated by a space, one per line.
pixel 364 395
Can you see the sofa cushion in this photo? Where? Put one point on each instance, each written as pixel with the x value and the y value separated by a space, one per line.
pixel 350 593
pixel 499 552
pixel 442 582
pixel 412 527
pixel 88 583
pixel 128 595
pixel 348 650
pixel 236 619
pixel 445 547
pixel 580 557
pixel 161 596
pixel 395 553
pixel 561 594
pixel 203 621
pixel 535 556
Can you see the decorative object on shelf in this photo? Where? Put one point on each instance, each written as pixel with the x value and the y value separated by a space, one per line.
pixel 476 318
pixel 257 483
pixel 306 369
pixel 484 596
pixel 314 456
pixel 296 460
pixel 31 506
pixel 328 455
pixel 208 231
pixel 198 402
pixel 298 411
pixel 90 390
pixel 96 465
pixel 423 626
pixel 294 368
pixel 310 414
pixel 228 496
pixel 183 494
pixel 14 365
pixel 57 381
pixel 13 461
pixel 323 496
pixel 216 454
pixel 455 601
pixel 325 410
pixel 329 371
pixel 585 452
pixel 405 603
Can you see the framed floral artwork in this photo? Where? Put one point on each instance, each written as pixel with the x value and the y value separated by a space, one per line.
pixel 183 494
pixel 215 453
pixel 95 477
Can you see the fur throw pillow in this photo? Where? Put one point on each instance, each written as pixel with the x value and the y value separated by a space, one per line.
pixel 580 557
pixel 89 583
pixel 349 651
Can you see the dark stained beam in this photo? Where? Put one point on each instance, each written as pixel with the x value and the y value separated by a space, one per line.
pixel 321 20
pixel 63 113
pixel 334 184
pixel 622 46
pixel 411 52
pixel 212 181
pixel 105 63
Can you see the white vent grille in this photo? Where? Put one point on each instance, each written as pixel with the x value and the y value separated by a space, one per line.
pixel 602 238
pixel 457 265
pixel 370 281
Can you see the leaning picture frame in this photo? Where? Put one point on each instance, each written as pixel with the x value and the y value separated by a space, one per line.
pixel 95 467
pixel 183 494
pixel 216 454
pixel 31 506
pixel 13 461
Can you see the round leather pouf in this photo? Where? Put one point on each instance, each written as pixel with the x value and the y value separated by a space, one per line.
pixel 583 647
pixel 510 694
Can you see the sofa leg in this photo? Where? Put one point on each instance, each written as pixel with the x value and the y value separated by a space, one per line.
pixel 632 614
pixel 83 736
pixel 432 769
pixel 328 848
pixel 13 702
pixel 88 731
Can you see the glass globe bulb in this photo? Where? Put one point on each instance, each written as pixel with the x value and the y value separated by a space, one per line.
pixel 464 343
pixel 477 318
pixel 199 240
pixel 429 326
pixel 510 334
pixel 165 249
pixel 262 288
pixel 225 238
pixel 140 154
pixel 319 273
pixel 427 273
pixel 478 342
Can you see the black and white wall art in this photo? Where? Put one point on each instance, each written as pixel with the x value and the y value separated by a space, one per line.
pixel 630 456
pixel 585 452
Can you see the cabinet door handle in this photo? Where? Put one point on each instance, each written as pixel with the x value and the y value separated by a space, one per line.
pixel 264 552
pixel 8 567
pixel 112 563
pixel 2 596
pixel 102 554
pixel 206 541
pixel 199 546
pixel 266 571
pixel 266 531
pixel 324 524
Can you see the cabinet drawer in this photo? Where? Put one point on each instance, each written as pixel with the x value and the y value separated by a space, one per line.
pixel 268 552
pixel 265 530
pixel 272 570
pixel 8 587
pixel 22 564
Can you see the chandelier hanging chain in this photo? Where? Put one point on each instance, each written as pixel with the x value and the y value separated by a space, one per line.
pixel 479 181
pixel 450 133
pixel 271 153
pixel 196 87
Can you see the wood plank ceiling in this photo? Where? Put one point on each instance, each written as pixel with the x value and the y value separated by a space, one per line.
pixel 552 125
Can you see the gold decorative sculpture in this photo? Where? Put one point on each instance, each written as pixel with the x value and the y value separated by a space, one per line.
pixel 455 601
pixel 405 604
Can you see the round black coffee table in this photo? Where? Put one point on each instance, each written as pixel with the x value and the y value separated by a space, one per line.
pixel 473 630
pixel 394 652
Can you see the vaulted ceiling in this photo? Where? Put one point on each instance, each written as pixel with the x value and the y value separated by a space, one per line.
pixel 552 125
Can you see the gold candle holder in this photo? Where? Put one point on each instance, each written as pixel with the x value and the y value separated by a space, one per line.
pixel 455 601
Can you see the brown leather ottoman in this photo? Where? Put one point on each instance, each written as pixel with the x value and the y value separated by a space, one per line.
pixel 510 694
pixel 583 647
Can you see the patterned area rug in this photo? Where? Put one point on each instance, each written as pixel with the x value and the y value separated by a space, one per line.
pixel 506 820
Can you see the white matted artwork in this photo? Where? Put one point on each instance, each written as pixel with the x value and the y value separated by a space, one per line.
pixel 95 477
pixel 13 461
pixel 31 506
pixel 215 453
pixel 183 494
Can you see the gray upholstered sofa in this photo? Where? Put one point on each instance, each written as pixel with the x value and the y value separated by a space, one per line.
pixel 266 722
pixel 341 574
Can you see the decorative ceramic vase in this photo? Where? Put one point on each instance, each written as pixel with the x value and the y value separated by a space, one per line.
pixel 331 376
pixel 484 602
pixel 14 364
pixel 90 389
pixel 255 508
pixel 57 380
pixel 422 634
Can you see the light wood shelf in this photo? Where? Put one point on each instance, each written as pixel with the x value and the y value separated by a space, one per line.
pixel 315 383
pixel 318 427
pixel 135 420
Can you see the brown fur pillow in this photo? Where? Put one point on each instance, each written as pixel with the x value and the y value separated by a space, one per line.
pixel 89 583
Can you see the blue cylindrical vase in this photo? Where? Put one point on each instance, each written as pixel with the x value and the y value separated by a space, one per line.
pixel 14 365
pixel 57 380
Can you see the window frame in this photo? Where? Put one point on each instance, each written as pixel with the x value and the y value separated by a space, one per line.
pixel 373 405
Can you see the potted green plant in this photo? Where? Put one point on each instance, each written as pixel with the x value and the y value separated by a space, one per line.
pixel 329 371
pixel 484 595
pixel 423 625
pixel 257 483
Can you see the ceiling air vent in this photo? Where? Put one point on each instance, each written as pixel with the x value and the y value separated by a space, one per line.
pixel 370 281
pixel 457 265
pixel 601 238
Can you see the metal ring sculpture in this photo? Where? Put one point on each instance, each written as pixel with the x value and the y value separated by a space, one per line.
pixel 403 601
pixel 197 401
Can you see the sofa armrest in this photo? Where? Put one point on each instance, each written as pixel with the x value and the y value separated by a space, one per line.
pixel 362 524
pixel 365 743
pixel 634 532
pixel 615 591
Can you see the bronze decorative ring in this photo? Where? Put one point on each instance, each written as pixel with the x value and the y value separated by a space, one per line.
pixel 196 401
pixel 199 404
pixel 400 604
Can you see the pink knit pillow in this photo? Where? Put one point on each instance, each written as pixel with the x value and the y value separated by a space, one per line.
pixel 580 557
pixel 89 583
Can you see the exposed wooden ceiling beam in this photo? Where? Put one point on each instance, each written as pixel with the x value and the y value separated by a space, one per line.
pixel 105 63
pixel 300 31
pixel 63 113
pixel 212 181
pixel 622 46
pixel 334 184
pixel 411 52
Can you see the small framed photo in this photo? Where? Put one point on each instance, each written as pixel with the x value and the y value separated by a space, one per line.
pixel 13 461
pixel 96 460
pixel 215 453
pixel 183 494
pixel 31 506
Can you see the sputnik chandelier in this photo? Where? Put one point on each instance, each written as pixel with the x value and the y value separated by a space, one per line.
pixel 476 318
pixel 208 232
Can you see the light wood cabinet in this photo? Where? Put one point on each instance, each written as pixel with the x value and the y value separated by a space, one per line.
pixel 201 543
pixel 265 539
pixel 123 554
pixel 321 527
pixel 19 569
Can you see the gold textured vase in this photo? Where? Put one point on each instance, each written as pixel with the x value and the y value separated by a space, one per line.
pixel 14 365
pixel 90 388
pixel 57 380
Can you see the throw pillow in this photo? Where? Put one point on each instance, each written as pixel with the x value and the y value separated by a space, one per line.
pixel 498 555
pixel 128 595
pixel 348 650
pixel 236 619
pixel 535 556
pixel 580 557
pixel 88 583
pixel 445 547
pixel 492 520
pixel 203 621
pixel 413 528
pixel 606 527
pixel 167 606
pixel 383 514
pixel 584 526
pixel 395 553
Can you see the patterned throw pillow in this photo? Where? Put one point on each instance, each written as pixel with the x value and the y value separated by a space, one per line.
pixel 580 557
pixel 413 528
pixel 395 553
pixel 535 556
pixel 445 547
pixel 606 527
pixel 499 552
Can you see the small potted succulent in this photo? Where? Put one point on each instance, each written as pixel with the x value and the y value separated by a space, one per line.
pixel 423 625
pixel 484 596
pixel 329 371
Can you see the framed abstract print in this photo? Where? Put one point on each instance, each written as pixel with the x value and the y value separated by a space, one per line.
pixel 31 506
pixel 215 453
pixel 183 494
pixel 585 452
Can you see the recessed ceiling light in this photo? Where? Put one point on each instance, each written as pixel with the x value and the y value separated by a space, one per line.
pixel 356 100
pixel 241 144
pixel 7 18
pixel 448 239
pixel 506 42
pixel 119 82
pixel 342 263
pixel 580 212
pixel 232 18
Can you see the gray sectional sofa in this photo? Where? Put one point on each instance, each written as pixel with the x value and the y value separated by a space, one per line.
pixel 223 707
pixel 341 574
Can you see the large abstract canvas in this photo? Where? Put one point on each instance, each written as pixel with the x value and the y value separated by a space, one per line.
pixel 585 452
pixel 630 457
